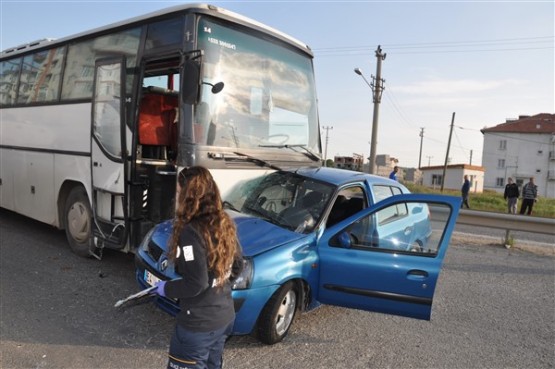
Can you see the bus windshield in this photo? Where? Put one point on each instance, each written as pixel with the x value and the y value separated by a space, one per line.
pixel 269 98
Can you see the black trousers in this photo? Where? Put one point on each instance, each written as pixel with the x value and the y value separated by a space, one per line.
pixel 527 204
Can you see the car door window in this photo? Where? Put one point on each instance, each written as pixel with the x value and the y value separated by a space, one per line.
pixel 349 201
pixel 392 213
pixel 402 227
pixel 382 192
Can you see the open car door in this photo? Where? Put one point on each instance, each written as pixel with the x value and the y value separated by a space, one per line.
pixel 388 257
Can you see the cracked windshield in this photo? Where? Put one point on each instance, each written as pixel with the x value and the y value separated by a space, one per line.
pixel 268 99
pixel 286 199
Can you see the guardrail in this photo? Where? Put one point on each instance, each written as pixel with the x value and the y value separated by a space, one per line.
pixel 508 222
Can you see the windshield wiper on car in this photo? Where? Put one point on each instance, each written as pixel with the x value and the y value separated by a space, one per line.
pixel 227 204
pixel 312 156
pixel 259 213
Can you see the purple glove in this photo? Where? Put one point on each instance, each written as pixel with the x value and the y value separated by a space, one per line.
pixel 160 288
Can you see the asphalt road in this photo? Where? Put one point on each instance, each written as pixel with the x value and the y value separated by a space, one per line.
pixel 494 308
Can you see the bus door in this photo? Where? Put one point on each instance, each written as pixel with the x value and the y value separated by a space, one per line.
pixel 108 154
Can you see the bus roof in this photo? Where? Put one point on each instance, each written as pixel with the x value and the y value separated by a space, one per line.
pixel 201 8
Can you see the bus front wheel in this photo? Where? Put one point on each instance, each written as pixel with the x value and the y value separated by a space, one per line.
pixel 78 221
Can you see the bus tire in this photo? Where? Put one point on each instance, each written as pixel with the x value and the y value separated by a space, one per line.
pixel 78 221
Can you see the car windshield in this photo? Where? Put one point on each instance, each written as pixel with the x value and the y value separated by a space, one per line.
pixel 285 199
pixel 269 95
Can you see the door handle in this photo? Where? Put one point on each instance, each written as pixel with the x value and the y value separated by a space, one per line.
pixel 408 231
pixel 417 274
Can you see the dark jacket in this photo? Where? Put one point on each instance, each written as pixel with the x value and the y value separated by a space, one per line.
pixel 511 190
pixel 205 305
pixel 465 189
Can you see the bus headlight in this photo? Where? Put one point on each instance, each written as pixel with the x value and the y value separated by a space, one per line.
pixel 244 279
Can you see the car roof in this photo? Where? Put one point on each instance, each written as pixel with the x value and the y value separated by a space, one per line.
pixel 339 177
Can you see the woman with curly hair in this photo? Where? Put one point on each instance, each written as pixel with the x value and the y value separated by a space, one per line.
pixel 204 249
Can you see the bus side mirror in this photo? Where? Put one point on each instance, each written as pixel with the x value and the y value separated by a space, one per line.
pixel 190 84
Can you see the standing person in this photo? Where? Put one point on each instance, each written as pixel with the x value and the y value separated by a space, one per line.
pixel 511 194
pixel 529 197
pixel 465 189
pixel 393 174
pixel 203 247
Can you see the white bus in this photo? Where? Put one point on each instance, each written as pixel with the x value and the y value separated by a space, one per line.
pixel 95 126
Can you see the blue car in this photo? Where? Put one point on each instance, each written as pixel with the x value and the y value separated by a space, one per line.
pixel 316 236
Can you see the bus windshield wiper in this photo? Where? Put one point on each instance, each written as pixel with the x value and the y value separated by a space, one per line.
pixel 242 156
pixel 312 156
pixel 260 162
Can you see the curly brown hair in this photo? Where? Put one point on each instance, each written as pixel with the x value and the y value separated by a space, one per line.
pixel 200 206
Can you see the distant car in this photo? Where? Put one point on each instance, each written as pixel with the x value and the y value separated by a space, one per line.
pixel 323 235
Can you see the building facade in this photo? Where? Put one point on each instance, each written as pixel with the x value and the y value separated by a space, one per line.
pixel 521 148
pixel 454 177
pixel 354 162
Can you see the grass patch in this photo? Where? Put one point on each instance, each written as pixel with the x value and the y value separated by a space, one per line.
pixel 490 201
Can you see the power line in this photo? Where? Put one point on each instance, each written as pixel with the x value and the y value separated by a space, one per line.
pixel 441 43
pixel 535 43
pixel 392 100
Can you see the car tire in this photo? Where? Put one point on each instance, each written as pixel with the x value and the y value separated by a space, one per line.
pixel 278 314
pixel 78 221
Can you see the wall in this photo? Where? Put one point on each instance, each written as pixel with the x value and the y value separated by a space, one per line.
pixel 454 178
pixel 524 155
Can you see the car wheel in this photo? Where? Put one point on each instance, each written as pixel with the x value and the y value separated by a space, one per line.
pixel 78 221
pixel 277 316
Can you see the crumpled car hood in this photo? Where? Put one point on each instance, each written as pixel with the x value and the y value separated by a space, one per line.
pixel 255 235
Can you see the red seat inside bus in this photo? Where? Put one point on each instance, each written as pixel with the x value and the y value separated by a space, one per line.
pixel 157 115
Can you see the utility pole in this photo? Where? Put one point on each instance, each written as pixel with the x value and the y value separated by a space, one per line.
pixel 377 90
pixel 421 139
pixel 447 154
pixel 327 128
pixel 470 157
pixel 429 157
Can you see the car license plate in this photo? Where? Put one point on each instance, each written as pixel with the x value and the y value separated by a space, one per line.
pixel 151 279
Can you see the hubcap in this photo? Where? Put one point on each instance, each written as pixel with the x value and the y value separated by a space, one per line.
pixel 78 222
pixel 286 312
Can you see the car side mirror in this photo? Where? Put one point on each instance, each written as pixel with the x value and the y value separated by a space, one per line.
pixel 417 210
pixel 345 240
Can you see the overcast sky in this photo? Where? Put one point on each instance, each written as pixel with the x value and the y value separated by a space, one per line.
pixel 486 61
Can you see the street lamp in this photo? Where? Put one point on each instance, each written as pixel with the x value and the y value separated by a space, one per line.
pixel 377 89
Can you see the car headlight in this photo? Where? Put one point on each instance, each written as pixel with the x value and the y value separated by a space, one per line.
pixel 144 243
pixel 244 279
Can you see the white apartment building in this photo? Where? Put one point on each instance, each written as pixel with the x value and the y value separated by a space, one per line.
pixel 521 148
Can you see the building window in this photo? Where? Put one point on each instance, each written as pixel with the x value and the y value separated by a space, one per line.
pixel 503 145
pixel 501 163
pixel 500 181
pixel 437 179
